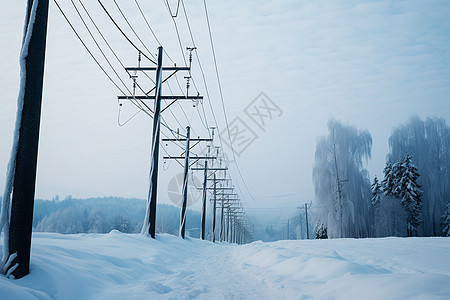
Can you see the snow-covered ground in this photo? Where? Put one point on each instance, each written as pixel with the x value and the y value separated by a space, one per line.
pixel 131 266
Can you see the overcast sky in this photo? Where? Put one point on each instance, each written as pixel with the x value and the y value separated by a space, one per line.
pixel 371 64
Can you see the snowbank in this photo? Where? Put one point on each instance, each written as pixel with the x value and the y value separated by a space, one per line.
pixel 132 266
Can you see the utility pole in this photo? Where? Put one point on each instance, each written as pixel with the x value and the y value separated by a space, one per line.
pixel 221 221
pixel 205 181
pixel 214 210
pixel 306 217
pixel 307 226
pixel 214 188
pixel 149 226
pixel 152 193
pixel 288 230
pixel 187 157
pixel 24 172
pixel 185 184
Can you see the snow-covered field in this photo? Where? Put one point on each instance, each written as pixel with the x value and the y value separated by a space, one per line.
pixel 131 266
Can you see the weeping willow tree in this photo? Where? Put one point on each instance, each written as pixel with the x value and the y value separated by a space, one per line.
pixel 428 142
pixel 341 184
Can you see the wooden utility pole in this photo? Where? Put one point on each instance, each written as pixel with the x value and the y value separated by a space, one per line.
pixel 153 192
pixel 185 184
pixel 288 230
pixel 214 210
pixel 306 217
pixel 187 165
pixel 22 205
pixel 205 181
pixel 150 217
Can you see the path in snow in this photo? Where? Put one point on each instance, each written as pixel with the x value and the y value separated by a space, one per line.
pixel 131 266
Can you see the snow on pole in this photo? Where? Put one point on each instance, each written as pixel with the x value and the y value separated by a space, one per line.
pixel 185 185
pixel 6 199
pixel 21 176
pixel 149 226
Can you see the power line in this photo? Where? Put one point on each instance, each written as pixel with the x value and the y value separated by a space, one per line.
pixel 98 46
pixel 223 102
pixel 87 49
pixel 123 33
pixel 151 30
pixel 132 29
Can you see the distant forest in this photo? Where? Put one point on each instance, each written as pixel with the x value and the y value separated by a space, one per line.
pixel 101 215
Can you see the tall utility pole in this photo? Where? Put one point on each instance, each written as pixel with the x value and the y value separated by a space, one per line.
pixel 213 238
pixel 149 226
pixel 205 182
pixel 185 184
pixel 22 205
pixel 214 188
pixel 152 193
pixel 187 165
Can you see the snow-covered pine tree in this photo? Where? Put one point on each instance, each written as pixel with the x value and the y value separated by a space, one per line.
pixel 376 192
pixel 398 170
pixel 408 190
pixel 388 183
pixel 428 141
pixel 321 231
pixel 390 211
pixel 446 221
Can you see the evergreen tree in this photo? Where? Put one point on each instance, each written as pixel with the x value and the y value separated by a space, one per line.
pixel 398 170
pixel 446 221
pixel 376 192
pixel 428 141
pixel 408 190
pixel 321 232
pixel 388 183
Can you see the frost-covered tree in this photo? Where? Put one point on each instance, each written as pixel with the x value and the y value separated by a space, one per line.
pixel 428 142
pixel 446 221
pixel 388 182
pixel 121 223
pixel 342 186
pixel 321 232
pixel 376 192
pixel 390 218
pixel 408 190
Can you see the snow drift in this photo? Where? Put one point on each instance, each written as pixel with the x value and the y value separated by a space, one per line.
pixel 132 266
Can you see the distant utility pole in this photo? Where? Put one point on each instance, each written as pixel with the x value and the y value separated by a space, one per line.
pixel 306 217
pixel 205 182
pixel 214 210
pixel 22 204
pixel 150 217
pixel 288 230
pixel 205 188
pixel 187 165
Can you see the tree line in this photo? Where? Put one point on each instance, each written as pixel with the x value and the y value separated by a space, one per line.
pixel 412 198
pixel 101 215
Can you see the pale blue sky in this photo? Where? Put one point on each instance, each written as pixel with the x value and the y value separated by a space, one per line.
pixel 368 64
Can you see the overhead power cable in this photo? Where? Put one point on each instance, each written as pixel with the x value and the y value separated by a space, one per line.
pixel 98 46
pixel 87 49
pixel 209 100
pixel 132 29
pixel 123 33
pixel 151 30
pixel 222 99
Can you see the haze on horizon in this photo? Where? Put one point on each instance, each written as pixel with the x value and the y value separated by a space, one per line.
pixel 368 64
